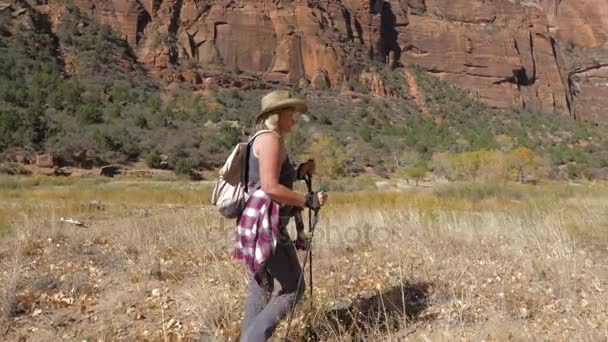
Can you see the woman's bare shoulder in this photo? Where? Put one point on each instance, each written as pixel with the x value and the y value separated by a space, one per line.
pixel 269 137
pixel 268 141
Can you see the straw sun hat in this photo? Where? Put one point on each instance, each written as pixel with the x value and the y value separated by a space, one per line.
pixel 277 100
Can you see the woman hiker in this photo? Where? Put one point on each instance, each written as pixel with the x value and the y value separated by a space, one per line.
pixel 262 238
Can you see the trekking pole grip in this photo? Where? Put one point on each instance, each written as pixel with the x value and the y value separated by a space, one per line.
pixel 308 180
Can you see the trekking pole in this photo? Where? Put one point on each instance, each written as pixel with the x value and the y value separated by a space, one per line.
pixel 313 217
pixel 312 222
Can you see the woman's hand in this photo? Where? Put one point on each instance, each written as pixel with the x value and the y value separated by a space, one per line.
pixel 315 200
pixel 302 243
pixel 322 197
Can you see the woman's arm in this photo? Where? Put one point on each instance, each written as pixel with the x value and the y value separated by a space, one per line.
pixel 269 149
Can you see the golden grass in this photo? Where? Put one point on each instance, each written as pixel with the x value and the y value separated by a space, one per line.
pixel 514 262
pixel 91 198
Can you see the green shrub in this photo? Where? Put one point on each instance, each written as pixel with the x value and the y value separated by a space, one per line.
pixel 365 132
pixel 10 124
pixel 119 142
pixel 89 114
pixel 153 159
pixel 296 142
pixel 13 169
pixel 325 120
pixel 572 171
pixel 229 136
pixel 417 172
pixel 183 167
pixel 141 121
pixel 377 144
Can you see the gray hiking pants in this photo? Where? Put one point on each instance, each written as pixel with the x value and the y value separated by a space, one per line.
pixel 262 316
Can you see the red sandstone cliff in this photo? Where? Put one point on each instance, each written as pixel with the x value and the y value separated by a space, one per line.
pixel 547 55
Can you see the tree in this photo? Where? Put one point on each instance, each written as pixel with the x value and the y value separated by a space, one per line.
pixel 417 172
pixel 523 161
pixel 466 165
pixel 505 142
pixel 407 158
pixel 330 158
pixel 10 122
pixel 492 165
pixel 442 166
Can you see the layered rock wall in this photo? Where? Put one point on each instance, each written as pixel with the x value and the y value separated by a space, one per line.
pixel 545 55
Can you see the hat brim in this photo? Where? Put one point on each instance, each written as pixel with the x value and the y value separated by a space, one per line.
pixel 298 104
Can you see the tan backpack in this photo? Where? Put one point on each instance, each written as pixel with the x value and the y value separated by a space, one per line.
pixel 229 194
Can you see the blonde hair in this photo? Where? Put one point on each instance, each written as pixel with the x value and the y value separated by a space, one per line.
pixel 271 121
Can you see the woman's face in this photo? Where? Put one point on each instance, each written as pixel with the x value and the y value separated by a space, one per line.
pixel 287 119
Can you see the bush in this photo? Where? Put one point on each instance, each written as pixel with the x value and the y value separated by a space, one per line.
pixel 141 121
pixel 183 167
pixel 378 144
pixel 153 159
pixel 89 114
pixel 120 94
pixel 229 136
pixel 441 165
pixel 10 122
pixel 296 143
pixel 417 172
pixel 331 158
pixel 365 133
pixel 325 120
pixel 119 141
pixel 13 169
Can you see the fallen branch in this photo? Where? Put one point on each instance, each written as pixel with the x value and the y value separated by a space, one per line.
pixel 72 221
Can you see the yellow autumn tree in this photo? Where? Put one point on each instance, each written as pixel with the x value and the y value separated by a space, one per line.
pixel 492 165
pixel 505 142
pixel 466 165
pixel 523 162
pixel 330 158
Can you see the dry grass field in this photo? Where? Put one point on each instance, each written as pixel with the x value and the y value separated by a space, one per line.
pixel 151 262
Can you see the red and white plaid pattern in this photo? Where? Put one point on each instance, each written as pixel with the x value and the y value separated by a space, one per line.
pixel 257 230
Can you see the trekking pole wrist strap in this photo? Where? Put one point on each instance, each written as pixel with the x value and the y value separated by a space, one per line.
pixel 312 200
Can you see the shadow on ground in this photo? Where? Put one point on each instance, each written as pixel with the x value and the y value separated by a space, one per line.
pixel 378 312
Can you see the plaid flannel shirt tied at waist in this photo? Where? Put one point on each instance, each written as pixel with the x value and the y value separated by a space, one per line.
pixel 257 230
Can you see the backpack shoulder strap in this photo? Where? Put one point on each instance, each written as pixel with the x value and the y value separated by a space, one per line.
pixel 258 133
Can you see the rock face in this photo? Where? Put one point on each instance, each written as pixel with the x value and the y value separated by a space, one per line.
pixel 127 17
pixel 503 54
pixel 546 55
pixel 376 84
pixel 511 55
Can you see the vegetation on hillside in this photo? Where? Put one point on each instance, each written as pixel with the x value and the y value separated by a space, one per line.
pixel 83 89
